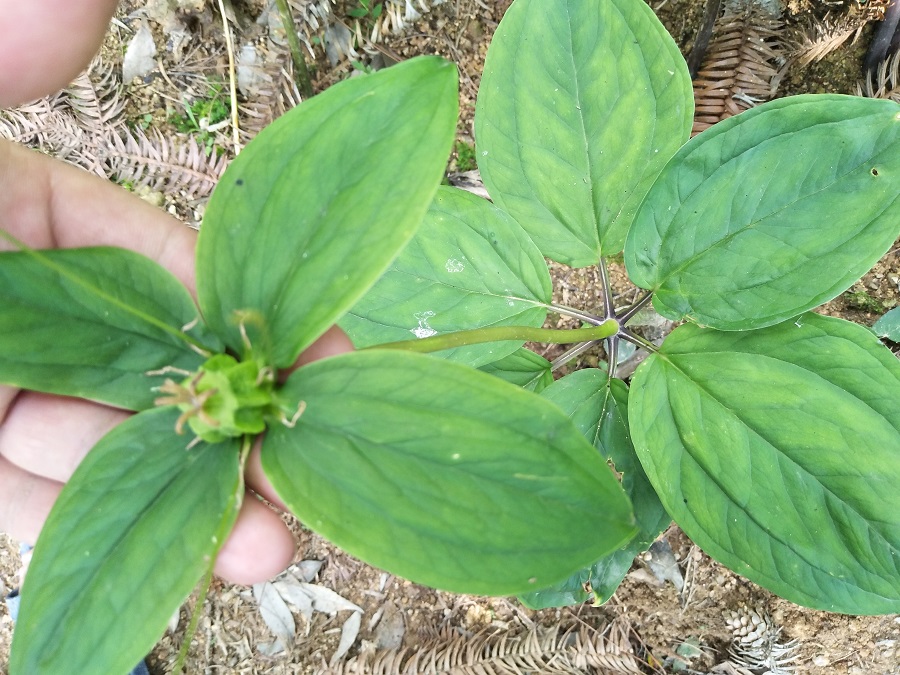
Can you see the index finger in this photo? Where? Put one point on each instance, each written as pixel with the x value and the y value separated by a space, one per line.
pixel 49 204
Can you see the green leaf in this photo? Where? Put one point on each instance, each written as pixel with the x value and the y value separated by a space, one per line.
pixel 522 368
pixel 888 326
pixel 92 322
pixel 776 451
pixel 567 592
pixel 443 475
pixel 598 406
pixel 313 211
pixel 130 535
pixel 581 104
pixel 771 212
pixel 469 266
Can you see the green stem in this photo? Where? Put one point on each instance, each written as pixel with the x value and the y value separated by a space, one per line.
pixel 301 72
pixel 477 336
pixel 189 632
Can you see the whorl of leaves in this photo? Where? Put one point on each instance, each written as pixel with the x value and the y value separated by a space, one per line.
pixel 550 651
pixel 740 68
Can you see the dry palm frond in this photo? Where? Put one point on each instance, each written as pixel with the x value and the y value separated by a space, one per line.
pixel 275 93
pixel 546 651
pixel 166 164
pixel 884 82
pixel 82 125
pixel 95 97
pixel 43 126
pixel 311 16
pixel 823 36
pixel 739 70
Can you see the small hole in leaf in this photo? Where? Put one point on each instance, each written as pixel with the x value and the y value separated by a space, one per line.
pixel 874 171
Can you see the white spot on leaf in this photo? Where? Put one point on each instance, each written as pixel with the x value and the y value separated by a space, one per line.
pixel 423 330
pixel 454 266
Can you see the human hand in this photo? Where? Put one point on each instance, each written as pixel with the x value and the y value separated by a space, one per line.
pixel 47 204
pixel 43 438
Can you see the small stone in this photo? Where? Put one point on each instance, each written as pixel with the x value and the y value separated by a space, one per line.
pixel 820 661
pixel 140 56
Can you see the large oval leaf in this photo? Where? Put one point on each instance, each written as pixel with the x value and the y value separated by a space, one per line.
pixel 444 475
pixel 469 266
pixel 130 535
pixel 771 212
pixel 580 105
pixel 92 322
pixel 778 452
pixel 311 213
pixel 598 406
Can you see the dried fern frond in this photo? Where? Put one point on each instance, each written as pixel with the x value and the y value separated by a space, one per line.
pixel 884 82
pixel 53 131
pixel 546 651
pixel 311 15
pixel 95 97
pixel 166 164
pixel 276 93
pixel 82 125
pixel 821 37
pixel 740 68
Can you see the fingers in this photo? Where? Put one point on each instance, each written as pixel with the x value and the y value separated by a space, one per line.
pixel 46 43
pixel 43 438
pixel 25 501
pixel 256 479
pixel 48 436
pixel 48 204
pixel 333 342
pixel 259 547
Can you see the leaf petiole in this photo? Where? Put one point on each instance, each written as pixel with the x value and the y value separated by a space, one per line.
pixel 476 336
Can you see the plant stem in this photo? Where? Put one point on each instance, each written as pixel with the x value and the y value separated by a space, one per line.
pixel 570 354
pixel 301 72
pixel 629 313
pixel 612 356
pixel 638 341
pixel 576 314
pixel 232 80
pixel 608 309
pixel 205 583
pixel 464 338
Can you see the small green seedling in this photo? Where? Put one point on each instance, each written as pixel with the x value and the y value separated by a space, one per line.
pixel 427 468
pixel 771 435
pixel 465 156
pixel 201 117
pixel 366 10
